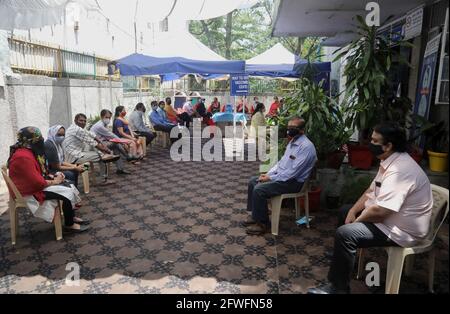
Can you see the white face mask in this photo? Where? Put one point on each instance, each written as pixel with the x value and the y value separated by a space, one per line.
pixel 106 121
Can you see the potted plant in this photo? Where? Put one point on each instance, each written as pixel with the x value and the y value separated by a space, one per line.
pixel 437 147
pixel 367 87
pixel 325 125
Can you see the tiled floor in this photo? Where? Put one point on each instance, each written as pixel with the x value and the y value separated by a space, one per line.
pixel 173 227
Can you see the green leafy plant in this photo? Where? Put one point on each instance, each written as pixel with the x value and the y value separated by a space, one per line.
pixel 92 120
pixel 353 188
pixel 367 89
pixel 437 137
pixel 325 124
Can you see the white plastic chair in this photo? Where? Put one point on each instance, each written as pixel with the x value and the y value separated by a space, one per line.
pixel 19 202
pixel 397 255
pixel 276 202
pixel 163 138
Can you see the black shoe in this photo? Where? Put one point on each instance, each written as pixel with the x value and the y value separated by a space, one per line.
pixel 328 289
pixel 132 158
pixel 83 228
pixel 122 172
pixel 248 222
pixel 85 222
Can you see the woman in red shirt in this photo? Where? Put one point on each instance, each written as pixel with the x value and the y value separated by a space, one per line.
pixel 273 111
pixel 28 170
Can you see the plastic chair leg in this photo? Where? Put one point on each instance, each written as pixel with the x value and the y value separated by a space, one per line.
pixel 143 140
pixel 276 209
pixel 297 208
pixel 307 209
pixel 359 273
pixel 396 258
pixel 57 221
pixel 409 264
pixel 13 223
pixel 431 267
pixel 86 187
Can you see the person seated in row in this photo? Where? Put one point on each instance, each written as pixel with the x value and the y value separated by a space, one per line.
pixel 40 189
pixel 242 105
pixel 122 130
pixel 106 137
pixel 258 120
pixel 214 107
pixel 159 122
pixel 255 103
pixel 81 146
pixel 137 124
pixel 287 176
pixel 394 211
pixel 274 108
pixel 228 108
pixel 174 117
pixel 55 155
pixel 188 107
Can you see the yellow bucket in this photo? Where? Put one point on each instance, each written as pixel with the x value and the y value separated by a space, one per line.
pixel 438 161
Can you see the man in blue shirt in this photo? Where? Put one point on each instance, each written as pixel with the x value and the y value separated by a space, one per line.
pixel 287 176
pixel 159 122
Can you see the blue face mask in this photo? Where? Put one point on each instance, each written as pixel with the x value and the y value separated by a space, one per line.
pixel 59 139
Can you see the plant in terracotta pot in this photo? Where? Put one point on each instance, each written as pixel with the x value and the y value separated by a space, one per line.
pixel 368 90
pixel 325 123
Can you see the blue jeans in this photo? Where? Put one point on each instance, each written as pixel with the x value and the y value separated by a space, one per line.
pixel 260 193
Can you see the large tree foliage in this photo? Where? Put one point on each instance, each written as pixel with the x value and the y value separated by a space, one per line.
pixel 243 34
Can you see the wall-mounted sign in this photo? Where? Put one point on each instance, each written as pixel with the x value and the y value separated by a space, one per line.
pixel 413 24
pixel 424 90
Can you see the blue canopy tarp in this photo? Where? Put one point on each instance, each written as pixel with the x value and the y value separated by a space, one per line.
pixel 138 64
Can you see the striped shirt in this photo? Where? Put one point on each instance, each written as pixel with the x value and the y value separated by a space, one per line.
pixel 75 141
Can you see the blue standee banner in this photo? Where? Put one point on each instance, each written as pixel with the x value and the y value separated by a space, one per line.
pixel 239 85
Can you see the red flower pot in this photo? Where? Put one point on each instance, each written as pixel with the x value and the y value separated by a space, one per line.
pixel 360 157
pixel 335 159
pixel 314 199
pixel 416 156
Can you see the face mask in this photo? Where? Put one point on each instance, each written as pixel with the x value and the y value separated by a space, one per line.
pixel 59 139
pixel 123 114
pixel 376 150
pixel 106 121
pixel 293 132
pixel 38 148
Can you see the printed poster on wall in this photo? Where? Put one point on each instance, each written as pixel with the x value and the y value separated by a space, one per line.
pixel 425 88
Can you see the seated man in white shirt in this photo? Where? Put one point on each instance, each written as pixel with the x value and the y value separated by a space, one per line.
pixel 394 211
pixel 81 146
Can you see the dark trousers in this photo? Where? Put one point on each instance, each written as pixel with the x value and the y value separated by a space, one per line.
pixel 167 129
pixel 66 207
pixel 186 118
pixel 260 193
pixel 71 176
pixel 347 240
pixel 149 136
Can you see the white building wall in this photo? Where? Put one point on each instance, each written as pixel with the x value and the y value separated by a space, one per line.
pixel 44 101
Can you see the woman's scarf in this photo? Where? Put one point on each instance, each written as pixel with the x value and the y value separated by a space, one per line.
pixel 52 134
pixel 31 138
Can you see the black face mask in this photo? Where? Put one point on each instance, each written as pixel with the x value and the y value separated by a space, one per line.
pixel 293 132
pixel 38 148
pixel 376 150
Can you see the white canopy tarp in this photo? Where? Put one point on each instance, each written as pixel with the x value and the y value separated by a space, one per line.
pixel 25 14
pixel 278 54
pixel 181 44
